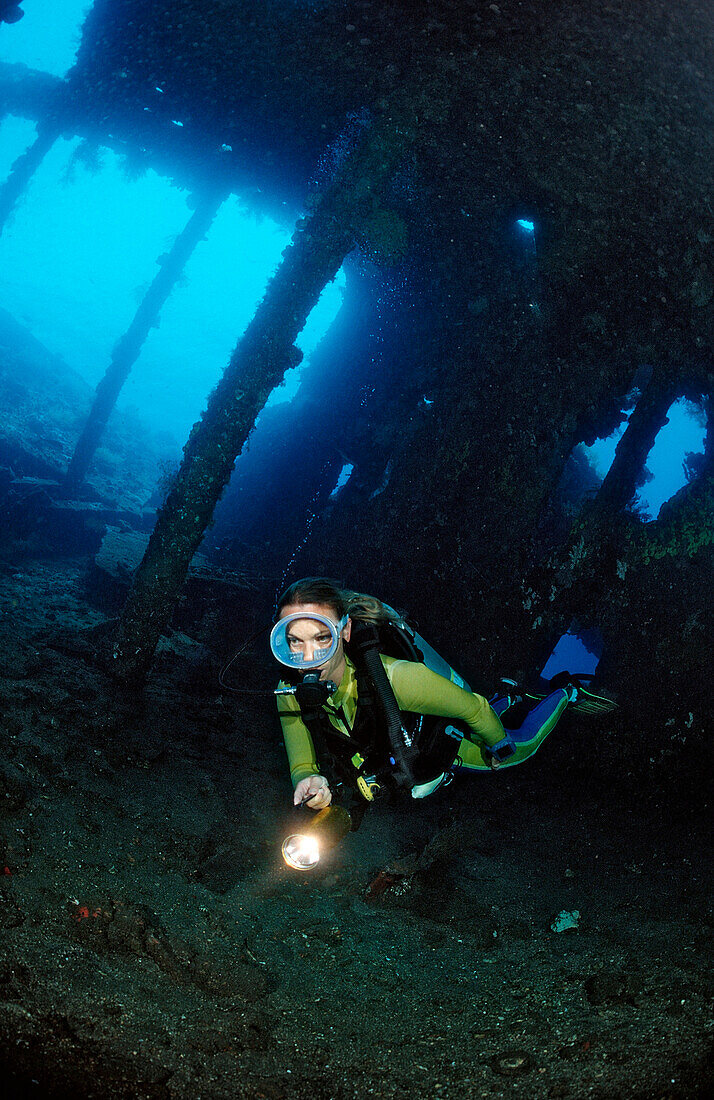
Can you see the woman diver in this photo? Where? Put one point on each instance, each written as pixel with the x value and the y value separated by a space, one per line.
pixel 383 709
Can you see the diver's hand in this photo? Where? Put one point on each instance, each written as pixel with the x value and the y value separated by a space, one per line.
pixel 316 786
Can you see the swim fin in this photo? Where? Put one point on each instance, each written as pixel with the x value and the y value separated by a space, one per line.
pixel 585 701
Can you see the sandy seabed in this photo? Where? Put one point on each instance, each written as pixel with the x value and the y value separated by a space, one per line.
pixel 154 946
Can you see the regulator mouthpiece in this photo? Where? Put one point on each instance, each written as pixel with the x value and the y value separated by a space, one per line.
pixel 303 851
pixel 306 640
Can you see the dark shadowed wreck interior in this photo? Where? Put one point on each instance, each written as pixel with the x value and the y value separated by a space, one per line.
pixel 511 206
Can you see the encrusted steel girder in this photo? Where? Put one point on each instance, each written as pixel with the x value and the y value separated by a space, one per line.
pixel 319 246
pixel 128 348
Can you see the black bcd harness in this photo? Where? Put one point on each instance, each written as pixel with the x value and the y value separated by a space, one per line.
pixel 386 749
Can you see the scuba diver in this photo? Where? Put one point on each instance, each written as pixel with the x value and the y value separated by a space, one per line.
pixel 384 711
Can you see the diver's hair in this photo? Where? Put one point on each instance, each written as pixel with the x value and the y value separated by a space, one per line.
pixel 343 601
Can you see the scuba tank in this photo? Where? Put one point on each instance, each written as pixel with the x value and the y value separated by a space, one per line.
pixel 414 648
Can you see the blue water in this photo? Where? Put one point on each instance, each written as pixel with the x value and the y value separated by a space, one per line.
pixel 47 37
pixel 344 476
pixel 81 249
pixel 571 654
pixel 684 434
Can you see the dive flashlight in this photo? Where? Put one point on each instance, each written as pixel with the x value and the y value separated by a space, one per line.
pixel 304 850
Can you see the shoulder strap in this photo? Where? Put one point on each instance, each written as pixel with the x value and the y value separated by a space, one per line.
pixel 365 644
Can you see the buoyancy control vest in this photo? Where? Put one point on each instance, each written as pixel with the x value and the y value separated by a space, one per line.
pixel 386 748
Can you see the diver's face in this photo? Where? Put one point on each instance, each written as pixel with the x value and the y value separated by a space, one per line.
pixel 307 635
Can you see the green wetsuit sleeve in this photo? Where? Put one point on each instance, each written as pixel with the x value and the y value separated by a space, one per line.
pixel 298 742
pixel 418 689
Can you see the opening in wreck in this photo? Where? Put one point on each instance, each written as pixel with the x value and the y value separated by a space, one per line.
pixel 675 457
pixel 673 461
pixel 579 650
pixel 344 476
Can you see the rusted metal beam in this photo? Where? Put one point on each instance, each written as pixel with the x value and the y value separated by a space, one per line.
pixel 128 348
pixel 319 246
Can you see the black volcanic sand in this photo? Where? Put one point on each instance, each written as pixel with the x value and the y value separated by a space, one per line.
pixel 153 945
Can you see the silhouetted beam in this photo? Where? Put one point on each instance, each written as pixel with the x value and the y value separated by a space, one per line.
pixel 270 496
pixel 128 348
pixel 24 169
pixel 10 11
pixel 29 93
pixel 189 159
pixel 646 421
pixel 319 246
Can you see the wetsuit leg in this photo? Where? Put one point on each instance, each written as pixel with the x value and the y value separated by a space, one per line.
pixel 527 739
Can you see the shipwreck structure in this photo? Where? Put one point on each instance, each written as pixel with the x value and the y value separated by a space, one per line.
pixel 479 353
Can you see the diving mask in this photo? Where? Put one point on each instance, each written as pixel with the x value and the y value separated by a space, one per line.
pixel 306 640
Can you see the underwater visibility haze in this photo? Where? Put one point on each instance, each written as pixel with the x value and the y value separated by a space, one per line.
pixel 356 545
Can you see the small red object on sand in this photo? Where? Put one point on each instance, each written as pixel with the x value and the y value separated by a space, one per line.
pixel 380 884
